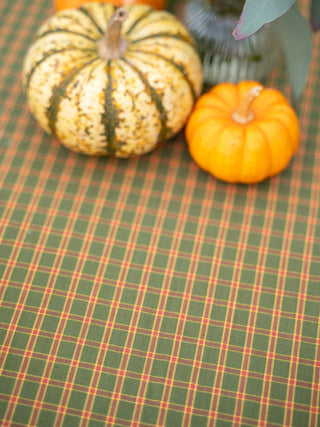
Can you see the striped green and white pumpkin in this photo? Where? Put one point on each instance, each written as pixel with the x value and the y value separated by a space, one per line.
pixel 112 81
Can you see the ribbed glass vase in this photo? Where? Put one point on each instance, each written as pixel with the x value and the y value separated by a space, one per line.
pixel 225 59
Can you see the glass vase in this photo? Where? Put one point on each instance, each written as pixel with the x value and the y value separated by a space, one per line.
pixel 212 22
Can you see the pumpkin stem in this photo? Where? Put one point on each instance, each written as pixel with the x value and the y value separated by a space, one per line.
pixel 244 114
pixel 112 45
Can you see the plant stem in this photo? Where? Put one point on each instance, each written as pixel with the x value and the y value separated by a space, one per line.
pixel 244 114
pixel 112 45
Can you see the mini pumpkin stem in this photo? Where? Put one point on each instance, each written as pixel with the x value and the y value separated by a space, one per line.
pixel 244 114
pixel 112 45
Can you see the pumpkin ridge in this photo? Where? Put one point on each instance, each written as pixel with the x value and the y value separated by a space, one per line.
pixel 58 94
pixel 177 66
pixel 271 167
pixel 223 97
pixel 213 145
pixel 212 117
pixel 244 143
pixel 48 55
pixel 64 30
pixel 279 120
pixel 87 13
pixel 155 98
pixel 161 34
pixel 140 19
pixel 224 103
pixel 288 134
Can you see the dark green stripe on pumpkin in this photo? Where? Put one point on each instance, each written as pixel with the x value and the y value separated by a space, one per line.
pixel 48 55
pixel 140 19
pixel 156 99
pixel 87 13
pixel 59 92
pixel 109 118
pixel 164 34
pixel 177 66
pixel 64 30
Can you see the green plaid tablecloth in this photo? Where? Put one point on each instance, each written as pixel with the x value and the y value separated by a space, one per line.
pixel 145 292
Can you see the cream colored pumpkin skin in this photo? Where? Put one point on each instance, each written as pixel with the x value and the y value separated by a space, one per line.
pixel 119 107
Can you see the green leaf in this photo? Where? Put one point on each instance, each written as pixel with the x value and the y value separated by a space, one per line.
pixel 294 34
pixel 256 13
pixel 315 15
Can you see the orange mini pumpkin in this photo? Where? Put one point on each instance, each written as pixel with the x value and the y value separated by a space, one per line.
pixel 242 132
pixel 74 4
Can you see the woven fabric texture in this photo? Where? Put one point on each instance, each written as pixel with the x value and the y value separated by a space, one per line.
pixel 144 292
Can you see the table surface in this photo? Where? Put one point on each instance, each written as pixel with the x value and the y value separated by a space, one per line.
pixel 144 291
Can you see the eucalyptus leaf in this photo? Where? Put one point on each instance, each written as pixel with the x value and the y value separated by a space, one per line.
pixel 294 34
pixel 256 13
pixel 315 15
